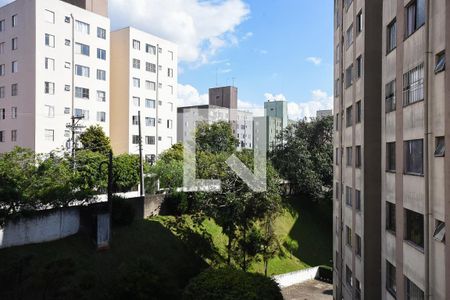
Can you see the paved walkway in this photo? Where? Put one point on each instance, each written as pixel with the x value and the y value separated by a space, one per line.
pixel 310 290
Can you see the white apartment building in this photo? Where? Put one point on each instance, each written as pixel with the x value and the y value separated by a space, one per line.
pixel 144 79
pixel 54 63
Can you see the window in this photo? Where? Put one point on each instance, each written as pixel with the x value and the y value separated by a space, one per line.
pixel 2 92
pixel 67 88
pixel 136 63
pixel 14 43
pixel 413 292
pixel 101 96
pixel 415 16
pixel 136 82
pixel 348 236
pixel 49 135
pixel 150 85
pixel 357 289
pixel 349 37
pixel 169 124
pixel 348 196
pixel 101 75
pixel 81 113
pixel 347 4
pixel 49 64
pixel 149 103
pixel 101 33
pixel 440 147
pixel 2 113
pixel 135 120
pixel 359 66
pixel 13 135
pixel 391 285
pixel 2 25
pixel 136 45
pixel 440 62
pixel 82 93
pixel 349 116
pixel 336 121
pixel 439 231
pixel 49 88
pixel 14 67
pixel 149 67
pixel 66 110
pixel 67 19
pixel 150 140
pixel 101 54
pixel 348 276
pixel 358 245
pixel 170 54
pixel 2 48
pixel 150 122
pixel 358 158
pixel 135 139
pixel 349 156
pixel 358 112
pixel 414 232
pixel 337 88
pixel 82 49
pixel 2 70
pixel 413 85
pixel 49 40
pixel 14 21
pixel 2 136
pixel 13 112
pixel 414 157
pixel 136 101
pixel 358 200
pixel 391 36
pixel 171 108
pixel 170 72
pixel 82 27
pixel 390 102
pixel 82 71
pixel 67 65
pixel 349 76
pixel 359 22
pixel 336 189
pixel 49 111
pixel 14 89
pixel 390 217
pixel 101 116
pixel 49 16
pixel 390 157
pixel 67 42
pixel 170 89
pixel 150 49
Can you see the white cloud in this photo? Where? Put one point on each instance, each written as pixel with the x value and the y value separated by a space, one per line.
pixel 189 95
pixel 247 36
pixel 315 60
pixel 272 97
pixel 200 28
pixel 319 100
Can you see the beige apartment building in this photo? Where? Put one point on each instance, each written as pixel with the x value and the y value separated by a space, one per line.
pixel 357 140
pixel 54 64
pixel 409 126
pixel 143 79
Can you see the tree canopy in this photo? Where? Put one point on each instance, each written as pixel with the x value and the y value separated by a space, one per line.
pixel 95 139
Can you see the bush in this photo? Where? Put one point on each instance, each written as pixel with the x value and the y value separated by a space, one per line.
pixel 231 284
pixel 122 212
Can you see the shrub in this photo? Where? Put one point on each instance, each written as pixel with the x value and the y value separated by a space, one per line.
pixel 231 284
pixel 122 212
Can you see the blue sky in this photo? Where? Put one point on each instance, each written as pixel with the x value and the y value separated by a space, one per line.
pixel 274 59
pixel 274 49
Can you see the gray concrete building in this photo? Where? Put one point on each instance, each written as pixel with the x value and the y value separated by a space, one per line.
pixel 226 96
pixel 357 140
pixel 392 112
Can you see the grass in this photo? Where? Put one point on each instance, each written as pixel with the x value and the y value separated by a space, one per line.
pixel 73 268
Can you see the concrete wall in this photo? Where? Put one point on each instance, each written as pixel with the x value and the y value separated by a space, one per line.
pixel 289 279
pixel 44 227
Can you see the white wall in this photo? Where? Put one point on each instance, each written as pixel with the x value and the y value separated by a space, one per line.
pixel 47 227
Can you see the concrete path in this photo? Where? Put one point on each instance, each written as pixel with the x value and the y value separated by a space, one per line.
pixel 310 290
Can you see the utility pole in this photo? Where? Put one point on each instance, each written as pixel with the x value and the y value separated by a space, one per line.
pixel 75 129
pixel 141 165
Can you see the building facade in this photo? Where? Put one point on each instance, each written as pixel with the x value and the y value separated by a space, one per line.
pixel 274 127
pixel 415 132
pixel 357 143
pixel 144 79
pixel 54 65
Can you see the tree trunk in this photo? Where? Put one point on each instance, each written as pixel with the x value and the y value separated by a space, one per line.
pixel 229 251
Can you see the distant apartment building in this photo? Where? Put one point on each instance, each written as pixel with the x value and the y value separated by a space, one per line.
pixel 54 64
pixel 143 79
pixel 415 120
pixel 357 143
pixel 324 113
pixel 222 107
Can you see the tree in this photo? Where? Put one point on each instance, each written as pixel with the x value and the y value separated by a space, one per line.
pixel 169 168
pixel 95 139
pixel 125 172
pixel 215 138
